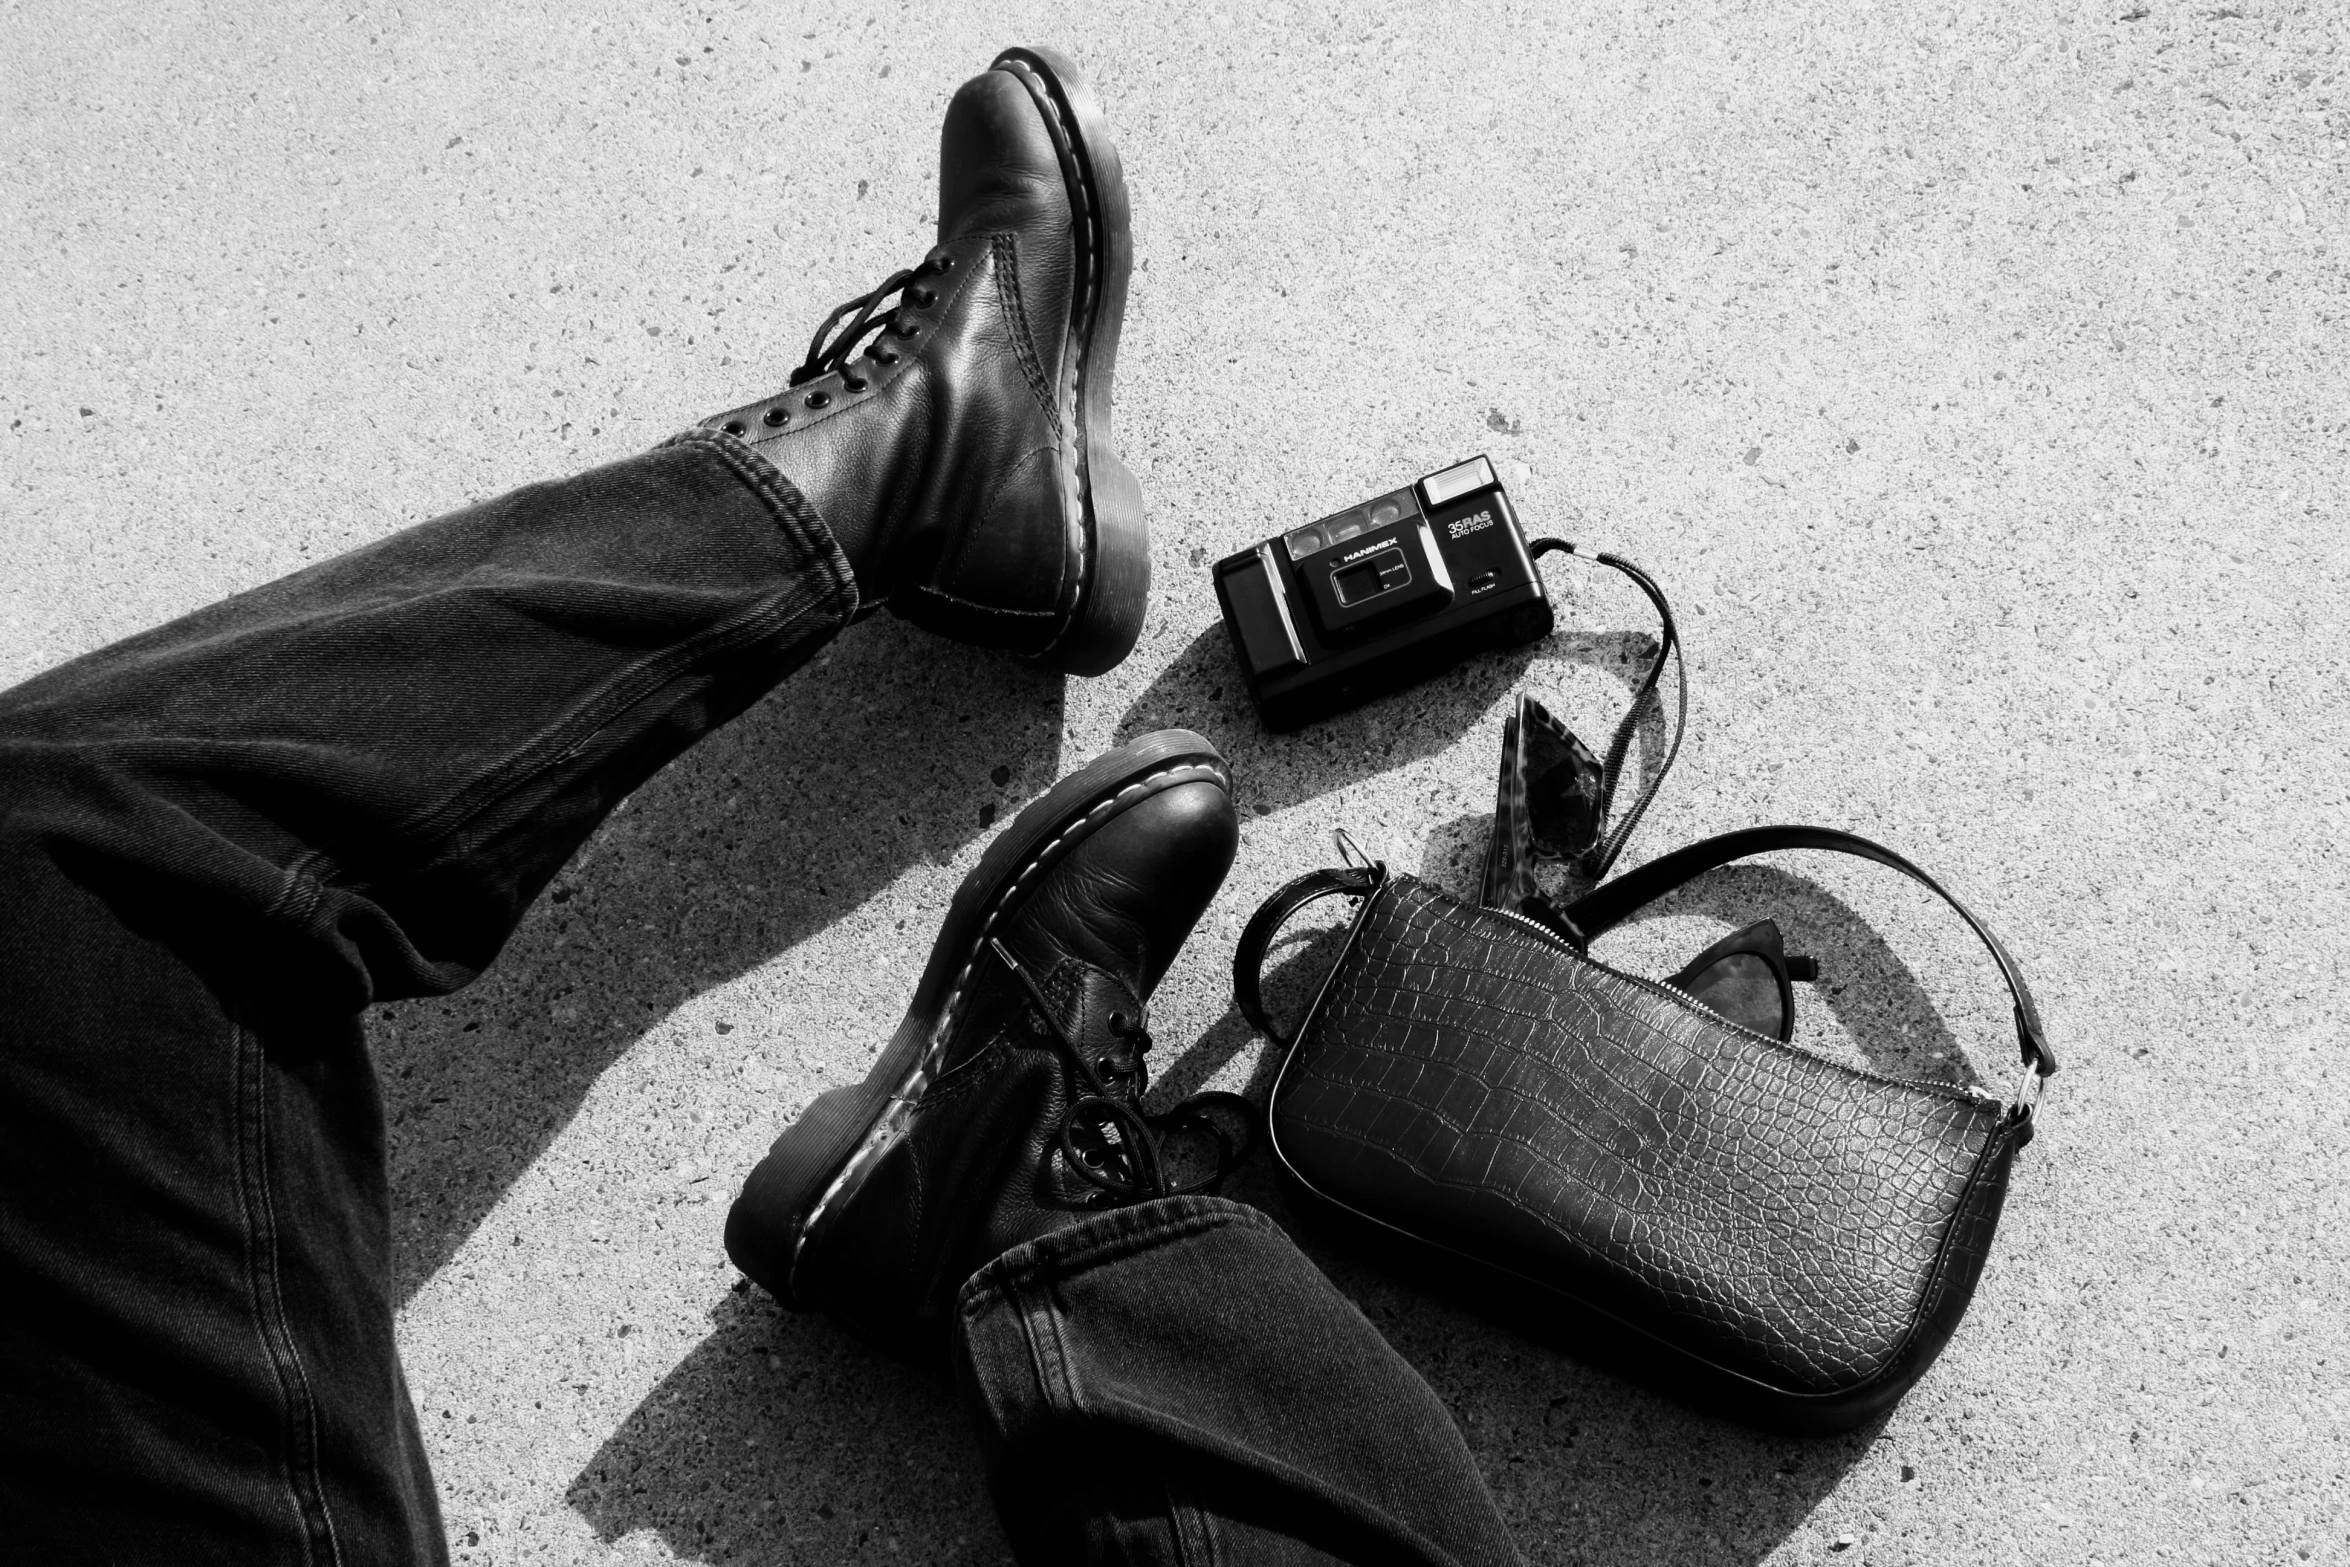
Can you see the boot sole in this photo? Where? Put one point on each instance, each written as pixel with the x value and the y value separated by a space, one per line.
pixel 1115 580
pixel 814 1169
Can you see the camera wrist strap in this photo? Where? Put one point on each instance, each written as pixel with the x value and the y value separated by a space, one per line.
pixel 1602 856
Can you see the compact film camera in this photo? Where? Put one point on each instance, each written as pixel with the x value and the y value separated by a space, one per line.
pixel 1382 594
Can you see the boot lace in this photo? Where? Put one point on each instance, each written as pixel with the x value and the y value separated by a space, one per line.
pixel 864 316
pixel 1111 1144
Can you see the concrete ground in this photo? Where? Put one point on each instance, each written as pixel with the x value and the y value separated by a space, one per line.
pixel 1971 374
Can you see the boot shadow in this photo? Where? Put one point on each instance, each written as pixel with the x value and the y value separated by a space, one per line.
pixel 1202 690
pixel 880 755
pixel 782 1438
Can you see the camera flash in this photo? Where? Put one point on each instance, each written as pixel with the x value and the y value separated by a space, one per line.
pixel 1455 482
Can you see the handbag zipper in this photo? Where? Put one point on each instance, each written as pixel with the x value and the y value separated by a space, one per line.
pixel 1970 1094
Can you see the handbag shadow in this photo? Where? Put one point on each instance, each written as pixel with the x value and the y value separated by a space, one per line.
pixel 1577 1303
pixel 1878 1007
pixel 1568 1407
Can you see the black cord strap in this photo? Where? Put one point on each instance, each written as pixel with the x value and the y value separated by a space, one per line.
pixel 1602 857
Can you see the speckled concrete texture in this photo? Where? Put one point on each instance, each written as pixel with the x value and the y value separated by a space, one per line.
pixel 1970 374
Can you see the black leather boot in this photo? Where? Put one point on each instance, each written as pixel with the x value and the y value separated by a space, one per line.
pixel 957 442
pixel 1008 1104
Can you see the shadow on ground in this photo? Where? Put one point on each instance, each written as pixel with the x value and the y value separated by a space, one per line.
pixel 1868 1005
pixel 761 1443
pixel 891 750
pixel 1202 690
pixel 1873 999
pixel 1587 1467
pixel 744 1450
pixel 756 1446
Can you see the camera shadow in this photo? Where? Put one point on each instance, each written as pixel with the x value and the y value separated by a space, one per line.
pixel 883 753
pixel 1203 690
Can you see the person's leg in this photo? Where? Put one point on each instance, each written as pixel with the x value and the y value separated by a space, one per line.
pixel 1176 1383
pixel 1157 1377
pixel 218 842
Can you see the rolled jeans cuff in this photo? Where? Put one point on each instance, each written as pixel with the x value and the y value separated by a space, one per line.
pixel 1177 1382
pixel 794 513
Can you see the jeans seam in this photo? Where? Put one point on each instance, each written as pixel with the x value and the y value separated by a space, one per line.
pixel 1046 1350
pixel 1115 1235
pixel 564 739
pixel 1210 1442
pixel 299 1438
pixel 1193 1529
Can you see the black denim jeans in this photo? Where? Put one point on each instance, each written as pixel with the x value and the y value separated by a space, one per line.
pixel 222 840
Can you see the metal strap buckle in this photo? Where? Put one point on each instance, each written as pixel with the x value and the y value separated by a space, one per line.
pixel 2026 1098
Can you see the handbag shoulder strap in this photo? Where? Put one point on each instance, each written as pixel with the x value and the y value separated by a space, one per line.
pixel 1248 959
pixel 1611 902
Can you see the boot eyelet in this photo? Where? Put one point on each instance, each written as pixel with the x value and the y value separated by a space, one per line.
pixel 736 427
pixel 945 263
pixel 854 383
pixel 904 329
pixel 819 399
pixel 776 417
pixel 923 298
pixel 884 356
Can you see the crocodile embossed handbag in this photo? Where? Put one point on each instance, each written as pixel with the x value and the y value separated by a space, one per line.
pixel 1755 1226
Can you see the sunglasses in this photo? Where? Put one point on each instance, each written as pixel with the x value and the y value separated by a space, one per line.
pixel 1552 804
pixel 1748 977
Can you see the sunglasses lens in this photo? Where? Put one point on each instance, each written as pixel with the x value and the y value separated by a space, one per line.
pixel 1742 988
pixel 1563 782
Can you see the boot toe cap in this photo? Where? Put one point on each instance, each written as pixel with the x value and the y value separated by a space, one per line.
pixel 1125 901
pixel 998 165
